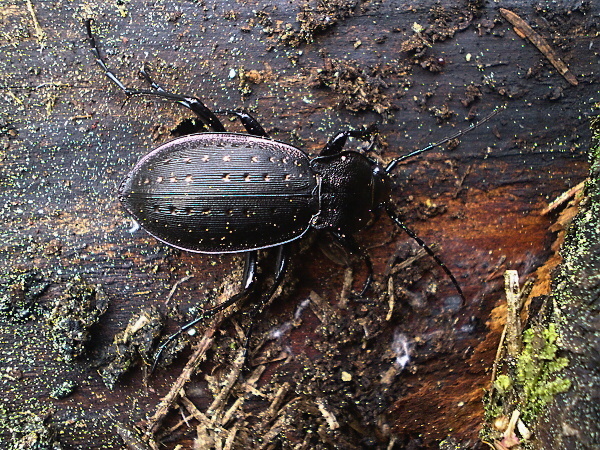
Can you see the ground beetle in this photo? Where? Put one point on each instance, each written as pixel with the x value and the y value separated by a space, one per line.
pixel 220 192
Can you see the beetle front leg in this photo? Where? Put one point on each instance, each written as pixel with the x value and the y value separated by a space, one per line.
pixel 425 247
pixel 248 285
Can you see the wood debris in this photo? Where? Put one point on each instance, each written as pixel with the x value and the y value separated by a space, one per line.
pixel 523 30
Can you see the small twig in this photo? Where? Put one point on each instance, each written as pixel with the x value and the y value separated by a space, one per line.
pixel 330 418
pixel 393 268
pixel 509 279
pixel 512 327
pixel 175 286
pixel 391 299
pixel 203 439
pixel 193 410
pixel 81 117
pixel 130 437
pixel 168 400
pixel 321 308
pixel 15 98
pixel 228 445
pixel 513 320
pixel 523 30
pixel 459 185
pixel 39 31
pixel 346 288
pixel 275 405
pixel 228 415
pixel 219 401
pixel 563 198
pixel 269 436
pixel 185 420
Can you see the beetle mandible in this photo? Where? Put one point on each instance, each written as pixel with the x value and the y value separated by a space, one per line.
pixel 221 192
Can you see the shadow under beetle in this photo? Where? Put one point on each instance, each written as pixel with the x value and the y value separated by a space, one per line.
pixel 220 192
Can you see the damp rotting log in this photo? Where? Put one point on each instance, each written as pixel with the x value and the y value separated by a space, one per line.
pixel 405 366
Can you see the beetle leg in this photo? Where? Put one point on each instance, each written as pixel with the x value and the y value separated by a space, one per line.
pixel 352 246
pixel 248 284
pixel 280 269
pixel 192 103
pixel 425 247
pixel 337 143
pixel 250 123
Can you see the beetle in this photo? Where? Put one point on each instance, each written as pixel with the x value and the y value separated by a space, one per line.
pixel 223 192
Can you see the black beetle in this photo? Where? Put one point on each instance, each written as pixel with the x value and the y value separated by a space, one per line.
pixel 220 192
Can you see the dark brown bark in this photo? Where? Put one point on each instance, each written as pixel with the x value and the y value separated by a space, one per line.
pixel 418 70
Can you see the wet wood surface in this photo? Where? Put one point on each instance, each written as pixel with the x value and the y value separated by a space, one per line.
pixel 417 70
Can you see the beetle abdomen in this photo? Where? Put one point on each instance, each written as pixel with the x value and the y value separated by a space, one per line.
pixel 222 193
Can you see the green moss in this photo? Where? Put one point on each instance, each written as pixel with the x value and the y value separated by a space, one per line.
pixel 27 431
pixel 531 380
pixel 536 375
pixel 503 384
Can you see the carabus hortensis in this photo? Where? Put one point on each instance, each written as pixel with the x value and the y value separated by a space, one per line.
pixel 222 192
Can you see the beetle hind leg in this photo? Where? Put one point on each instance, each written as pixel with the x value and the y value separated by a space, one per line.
pixel 248 285
pixel 250 123
pixel 192 103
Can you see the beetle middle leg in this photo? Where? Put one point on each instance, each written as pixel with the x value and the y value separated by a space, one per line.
pixel 281 265
pixel 250 123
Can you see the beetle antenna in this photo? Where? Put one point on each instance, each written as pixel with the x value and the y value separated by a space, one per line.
pixel 429 251
pixel 394 162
